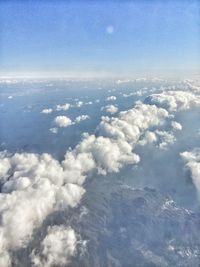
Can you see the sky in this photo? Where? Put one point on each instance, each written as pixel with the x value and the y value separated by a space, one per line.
pixel 99 37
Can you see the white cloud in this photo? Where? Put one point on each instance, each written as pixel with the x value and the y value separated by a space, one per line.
pixel 79 104
pixel 81 118
pixel 62 121
pixel 131 124
pixel 57 247
pixel 103 153
pixel 110 109
pixel 54 130
pixel 128 95
pixel 192 161
pixel 47 110
pixel 176 125
pixel 89 103
pixel 111 98
pixel 148 138
pixel 165 138
pixel 174 100
pixel 33 186
pixel 63 107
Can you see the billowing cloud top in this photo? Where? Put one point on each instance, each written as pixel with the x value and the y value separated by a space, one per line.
pixel 110 109
pixel 62 121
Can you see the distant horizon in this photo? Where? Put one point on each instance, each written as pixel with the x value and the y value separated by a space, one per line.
pixel 98 75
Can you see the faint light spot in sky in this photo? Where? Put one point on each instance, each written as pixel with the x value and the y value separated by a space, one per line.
pixel 110 29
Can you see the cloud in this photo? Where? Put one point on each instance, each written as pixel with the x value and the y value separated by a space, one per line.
pixel 128 95
pixel 81 118
pixel 165 138
pixel 123 81
pixel 110 109
pixel 89 103
pixel 47 110
pixel 148 138
pixel 109 29
pixel 34 186
pixel 57 247
pixel 104 154
pixel 57 108
pixel 62 121
pixel 63 107
pixel 192 161
pixel 131 124
pixel 79 104
pixel 176 125
pixel 174 100
pixel 54 130
pixel 111 98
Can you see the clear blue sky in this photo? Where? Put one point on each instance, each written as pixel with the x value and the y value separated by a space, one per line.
pixel 99 36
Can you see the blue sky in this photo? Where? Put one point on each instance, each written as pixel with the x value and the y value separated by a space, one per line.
pixel 120 37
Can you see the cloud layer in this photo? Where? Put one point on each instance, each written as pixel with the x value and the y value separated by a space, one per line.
pixel 35 186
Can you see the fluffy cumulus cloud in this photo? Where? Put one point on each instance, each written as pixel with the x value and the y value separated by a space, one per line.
pixel 63 107
pixel 111 98
pixel 57 108
pixel 103 153
pixel 131 124
pixel 33 186
pixel 176 126
pixel 62 121
pixel 110 109
pixel 57 247
pixel 165 138
pixel 174 100
pixel 47 110
pixel 192 161
pixel 81 118
pixel 148 138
